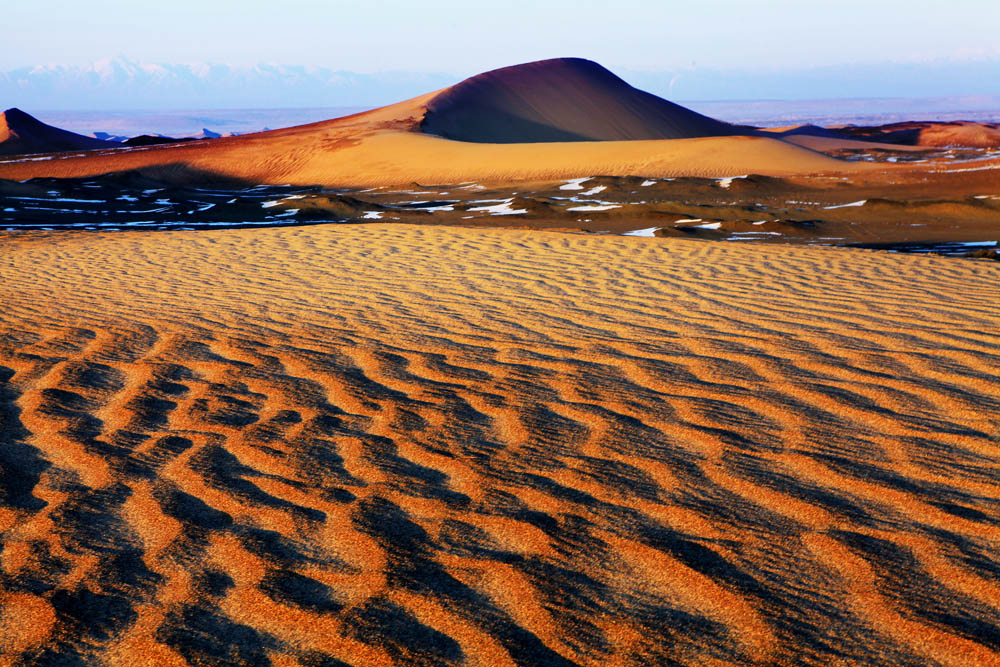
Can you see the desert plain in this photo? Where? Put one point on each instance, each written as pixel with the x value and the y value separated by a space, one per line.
pixel 398 388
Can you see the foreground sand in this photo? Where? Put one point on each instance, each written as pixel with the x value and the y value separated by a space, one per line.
pixel 435 446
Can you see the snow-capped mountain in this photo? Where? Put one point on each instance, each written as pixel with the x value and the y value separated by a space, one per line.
pixel 123 83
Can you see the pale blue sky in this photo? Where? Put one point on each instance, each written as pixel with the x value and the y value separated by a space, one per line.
pixel 468 37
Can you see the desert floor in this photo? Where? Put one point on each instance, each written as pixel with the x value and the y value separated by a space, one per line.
pixel 370 444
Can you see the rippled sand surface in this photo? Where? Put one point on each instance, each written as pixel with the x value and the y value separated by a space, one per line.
pixel 395 444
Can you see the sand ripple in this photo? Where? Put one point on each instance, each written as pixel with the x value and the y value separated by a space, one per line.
pixel 367 445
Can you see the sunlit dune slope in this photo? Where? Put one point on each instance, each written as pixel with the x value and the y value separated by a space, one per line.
pixel 368 445
pixel 21 133
pixel 516 107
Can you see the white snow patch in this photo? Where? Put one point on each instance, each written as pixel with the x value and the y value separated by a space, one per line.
pixel 64 199
pixel 687 220
pixel 649 231
pixel 647 183
pixel 853 203
pixel 726 182
pixel 574 183
pixel 604 207
pixel 594 191
pixel 372 215
pixel 502 208
pixel 275 202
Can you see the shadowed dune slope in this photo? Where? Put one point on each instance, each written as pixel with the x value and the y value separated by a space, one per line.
pixel 21 133
pixel 372 445
pixel 563 99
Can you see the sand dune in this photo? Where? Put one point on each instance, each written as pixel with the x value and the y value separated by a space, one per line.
pixel 930 133
pixel 565 99
pixel 394 444
pixel 20 133
pixel 535 116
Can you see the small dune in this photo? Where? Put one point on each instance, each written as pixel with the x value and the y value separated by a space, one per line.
pixel 21 133
pixel 930 133
pixel 394 444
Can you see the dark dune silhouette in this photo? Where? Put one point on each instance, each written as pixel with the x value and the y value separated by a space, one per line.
pixel 22 133
pixel 562 99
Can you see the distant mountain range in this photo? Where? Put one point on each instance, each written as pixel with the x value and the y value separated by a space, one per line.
pixel 120 84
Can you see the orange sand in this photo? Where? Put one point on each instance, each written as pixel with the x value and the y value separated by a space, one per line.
pixel 424 445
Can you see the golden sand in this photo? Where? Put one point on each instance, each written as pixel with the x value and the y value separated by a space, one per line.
pixel 423 445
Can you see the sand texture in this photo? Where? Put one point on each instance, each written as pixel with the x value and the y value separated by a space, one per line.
pixel 389 444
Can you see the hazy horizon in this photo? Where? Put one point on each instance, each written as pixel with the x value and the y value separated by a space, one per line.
pixel 124 84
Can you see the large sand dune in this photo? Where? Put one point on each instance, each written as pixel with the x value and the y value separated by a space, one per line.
pixel 363 445
pixel 553 119
pixel 565 99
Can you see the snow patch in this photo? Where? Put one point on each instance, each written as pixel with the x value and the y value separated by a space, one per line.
pixel 726 182
pixel 574 183
pixel 503 208
pixel 600 207
pixel 649 231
